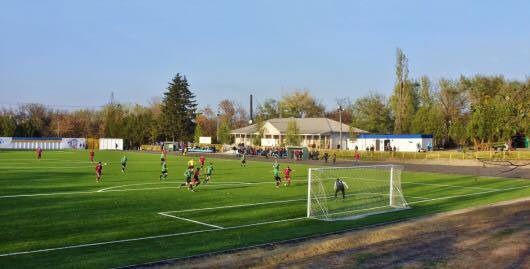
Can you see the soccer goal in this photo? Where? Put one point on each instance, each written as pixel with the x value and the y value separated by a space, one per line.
pixel 368 190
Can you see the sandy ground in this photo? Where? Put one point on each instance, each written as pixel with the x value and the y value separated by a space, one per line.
pixel 496 236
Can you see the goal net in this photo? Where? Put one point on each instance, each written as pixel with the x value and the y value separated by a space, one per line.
pixel 368 190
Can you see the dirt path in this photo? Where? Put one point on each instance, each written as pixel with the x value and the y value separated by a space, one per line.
pixel 495 236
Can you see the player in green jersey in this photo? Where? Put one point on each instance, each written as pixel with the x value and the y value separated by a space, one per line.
pixel 123 163
pixel 163 171
pixel 243 160
pixel 209 171
pixel 277 177
pixel 162 157
pixel 187 176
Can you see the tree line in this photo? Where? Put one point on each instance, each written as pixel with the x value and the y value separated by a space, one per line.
pixel 173 118
pixel 479 111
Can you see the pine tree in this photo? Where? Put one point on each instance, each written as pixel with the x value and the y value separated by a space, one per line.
pixel 178 110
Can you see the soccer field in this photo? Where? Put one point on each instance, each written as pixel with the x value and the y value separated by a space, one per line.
pixel 54 214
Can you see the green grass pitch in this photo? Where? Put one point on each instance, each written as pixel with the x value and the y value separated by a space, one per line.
pixel 54 214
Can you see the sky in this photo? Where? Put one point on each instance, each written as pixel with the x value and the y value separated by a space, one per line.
pixel 75 53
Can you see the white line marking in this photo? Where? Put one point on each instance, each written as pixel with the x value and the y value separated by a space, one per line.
pixel 360 210
pixel 138 184
pixel 145 238
pixel 311 236
pixel 449 186
pixel 435 199
pixel 263 223
pixel 45 167
pixel 469 194
pixel 190 220
pixel 209 184
pixel 210 230
pixel 45 194
pixel 278 202
pixel 213 183
pixel 112 190
pixel 234 206
pixel 104 243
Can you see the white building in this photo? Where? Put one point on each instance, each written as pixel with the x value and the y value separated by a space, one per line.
pixel 320 132
pixel 402 142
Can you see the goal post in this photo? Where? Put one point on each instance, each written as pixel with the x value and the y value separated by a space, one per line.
pixel 368 190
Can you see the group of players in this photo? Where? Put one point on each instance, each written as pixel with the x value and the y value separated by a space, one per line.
pixel 275 172
pixel 192 173
pixel 99 165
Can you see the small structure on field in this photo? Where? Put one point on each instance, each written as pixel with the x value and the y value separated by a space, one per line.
pixel 388 142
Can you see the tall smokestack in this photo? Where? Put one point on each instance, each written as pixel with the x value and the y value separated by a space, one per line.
pixel 251 111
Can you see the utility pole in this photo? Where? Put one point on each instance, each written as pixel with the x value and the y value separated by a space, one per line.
pixel 251 120
pixel 58 125
pixel 217 129
pixel 340 120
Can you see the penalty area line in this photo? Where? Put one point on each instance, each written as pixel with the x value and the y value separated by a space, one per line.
pixel 113 189
pixel 282 202
pixel 190 220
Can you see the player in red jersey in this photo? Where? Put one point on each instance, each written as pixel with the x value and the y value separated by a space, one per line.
pixel 287 173
pixel 201 161
pixel 91 155
pixel 196 181
pixel 192 182
pixel 39 153
pixel 99 170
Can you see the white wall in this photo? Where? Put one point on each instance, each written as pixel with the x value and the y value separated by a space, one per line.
pixel 110 143
pixel 401 144
pixel 65 143
pixel 47 145
pixel 5 143
pixel 205 140
pixel 73 143
pixel 268 142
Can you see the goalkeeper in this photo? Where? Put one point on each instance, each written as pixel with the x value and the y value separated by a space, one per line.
pixel 340 186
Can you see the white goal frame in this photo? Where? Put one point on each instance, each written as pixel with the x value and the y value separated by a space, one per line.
pixel 393 190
